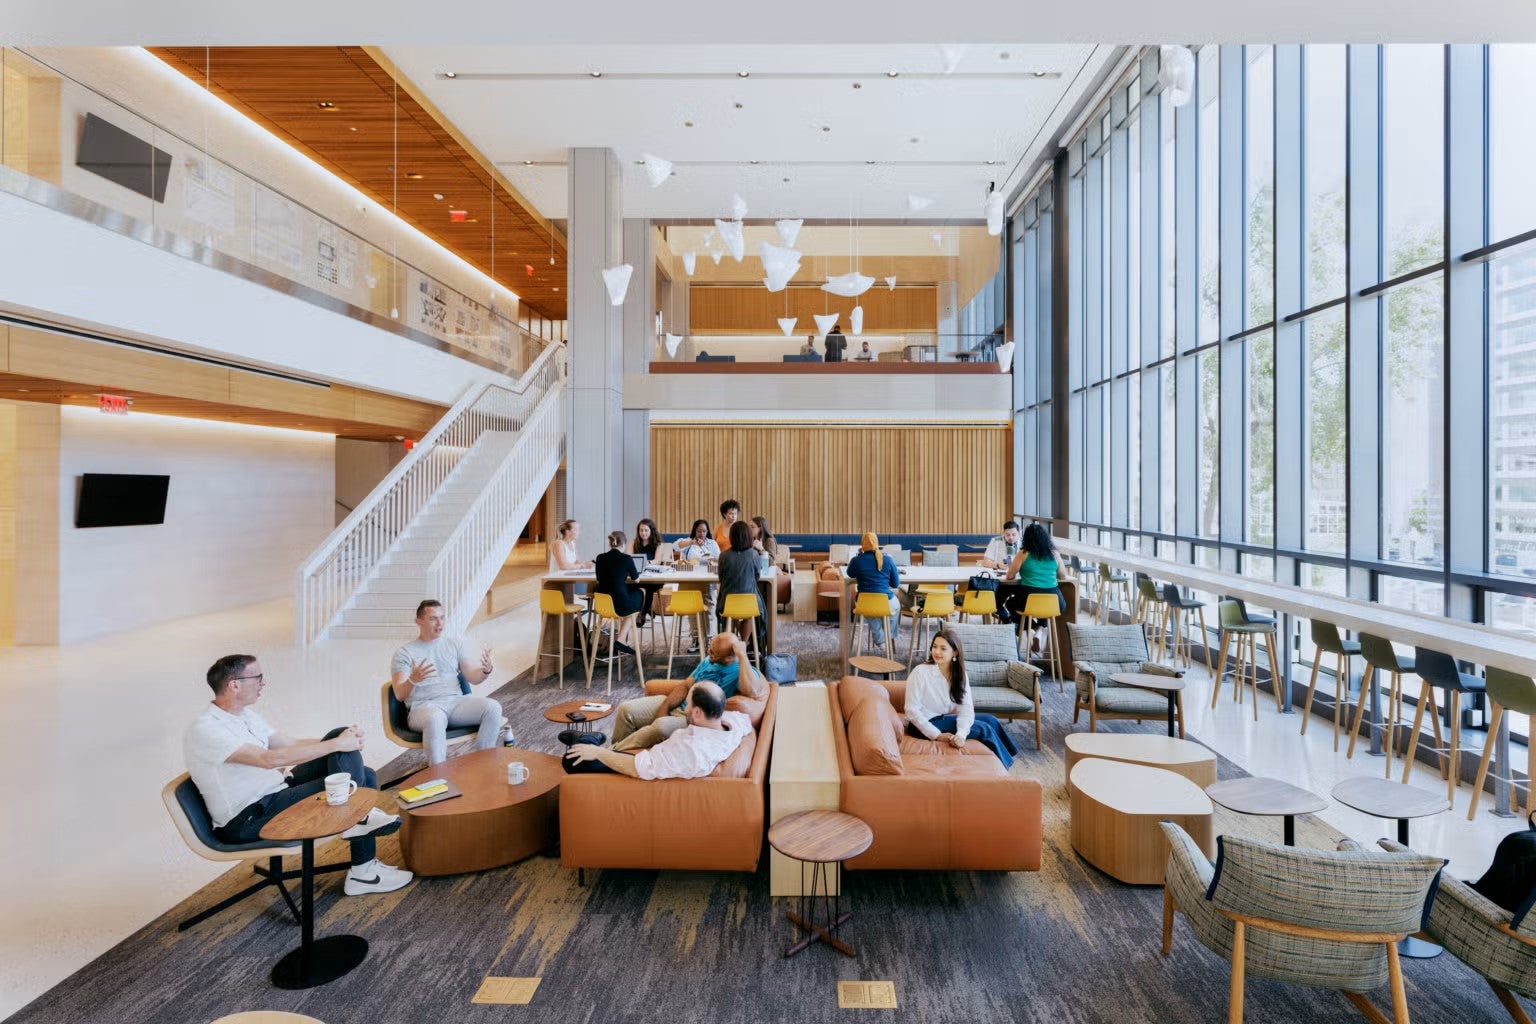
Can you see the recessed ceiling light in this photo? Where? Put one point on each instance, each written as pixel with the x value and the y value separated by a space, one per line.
pixel 858 85
pixel 826 127
pixel 991 162
pixel 1041 74
pixel 743 74
pixel 595 74
pixel 527 163
pixel 326 105
pixel 437 195
pixel 738 106
pixel 751 161
pixel 450 74
pixel 892 74
pixel 557 288
pixel 413 175
pixel 687 124
pixel 913 139
pixel 786 180
pixel 352 128
pixel 1003 56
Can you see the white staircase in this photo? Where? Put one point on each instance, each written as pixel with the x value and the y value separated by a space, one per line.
pixel 444 520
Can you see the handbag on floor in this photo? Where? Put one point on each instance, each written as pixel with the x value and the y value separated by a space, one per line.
pixel 781 668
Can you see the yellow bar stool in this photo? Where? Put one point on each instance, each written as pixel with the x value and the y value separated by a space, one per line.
pixel 1517 693
pixel 1325 636
pixel 656 619
pixel 867 607
pixel 743 608
pixel 1048 607
pixel 686 605
pixel 979 602
pixel 608 618
pixel 1114 588
pixel 1381 656
pixel 553 605
pixel 938 607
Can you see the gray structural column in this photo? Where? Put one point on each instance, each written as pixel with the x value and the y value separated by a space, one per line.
pixel 594 477
pixel 640 341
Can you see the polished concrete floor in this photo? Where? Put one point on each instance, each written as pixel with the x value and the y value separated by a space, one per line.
pixel 95 732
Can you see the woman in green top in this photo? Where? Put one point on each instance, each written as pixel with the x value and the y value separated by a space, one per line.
pixel 1035 570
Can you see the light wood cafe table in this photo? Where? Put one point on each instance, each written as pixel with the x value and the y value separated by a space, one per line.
pixel 822 839
pixel 1172 686
pixel 1267 797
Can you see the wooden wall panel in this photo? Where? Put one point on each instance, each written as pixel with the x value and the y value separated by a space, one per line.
pixel 834 477
pixel 753 309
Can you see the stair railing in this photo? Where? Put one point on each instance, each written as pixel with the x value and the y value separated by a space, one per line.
pixel 327 580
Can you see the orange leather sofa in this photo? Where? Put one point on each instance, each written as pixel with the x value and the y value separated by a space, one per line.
pixel 929 805
pixel 709 824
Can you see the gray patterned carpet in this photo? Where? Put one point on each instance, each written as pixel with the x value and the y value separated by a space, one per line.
pixel 1066 945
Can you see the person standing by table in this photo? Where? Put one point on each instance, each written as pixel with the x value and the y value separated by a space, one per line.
pixel 730 511
pixel 835 344
pixel 739 575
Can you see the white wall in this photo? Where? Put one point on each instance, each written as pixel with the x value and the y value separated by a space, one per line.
pixel 245 505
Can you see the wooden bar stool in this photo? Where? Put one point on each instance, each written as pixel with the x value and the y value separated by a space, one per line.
pixel 1325 636
pixel 686 605
pixel 1114 587
pixel 608 618
pixel 936 608
pixel 1181 612
pixel 1151 613
pixel 869 607
pixel 744 608
pixel 1047 607
pixel 1380 655
pixel 1517 693
pixel 553 605
pixel 1440 672
pixel 656 619
pixel 1237 625
pixel 979 602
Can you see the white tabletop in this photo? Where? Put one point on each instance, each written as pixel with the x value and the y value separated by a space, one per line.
pixel 661 576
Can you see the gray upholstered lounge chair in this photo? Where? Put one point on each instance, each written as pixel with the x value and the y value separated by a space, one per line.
pixel 1001 684
pixel 1327 919
pixel 1485 937
pixel 1102 651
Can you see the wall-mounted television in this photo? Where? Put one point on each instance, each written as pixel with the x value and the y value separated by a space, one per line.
pixel 124 158
pixel 121 499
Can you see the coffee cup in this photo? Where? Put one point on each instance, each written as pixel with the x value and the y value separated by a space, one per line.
pixel 339 788
pixel 517 773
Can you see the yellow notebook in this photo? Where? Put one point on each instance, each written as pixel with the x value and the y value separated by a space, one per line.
pixel 413 794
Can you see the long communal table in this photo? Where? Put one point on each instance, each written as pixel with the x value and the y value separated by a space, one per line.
pixel 766 585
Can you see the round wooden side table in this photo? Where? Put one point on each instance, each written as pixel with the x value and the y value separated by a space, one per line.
pixel 317 961
pixel 822 840
pixel 561 713
pixel 875 665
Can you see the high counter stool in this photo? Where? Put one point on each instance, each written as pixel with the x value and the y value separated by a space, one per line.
pixel 936 608
pixel 608 618
pixel 1325 637
pixel 744 608
pixel 868 607
pixel 1113 586
pixel 1517 693
pixel 1047 607
pixel 1380 654
pixel 1439 671
pixel 552 605
pixel 1181 610
pixel 1237 624
pixel 1151 611
pixel 1085 573
pixel 979 602
pixel 686 604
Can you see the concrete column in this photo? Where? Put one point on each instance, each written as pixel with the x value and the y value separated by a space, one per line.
pixel 594 476
pixel 640 343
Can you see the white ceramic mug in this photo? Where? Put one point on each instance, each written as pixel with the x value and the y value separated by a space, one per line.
pixel 339 788
pixel 517 773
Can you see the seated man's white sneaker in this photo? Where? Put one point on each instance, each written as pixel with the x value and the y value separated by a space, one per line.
pixel 377 823
pixel 375 876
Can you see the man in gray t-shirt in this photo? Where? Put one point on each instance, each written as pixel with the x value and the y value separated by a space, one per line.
pixel 425 675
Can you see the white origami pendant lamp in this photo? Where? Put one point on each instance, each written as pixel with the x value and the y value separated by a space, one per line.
pixel 657 170
pixel 890 284
pixel 617 280
pixel 949 56
pixel 824 323
pixel 856 320
pixel 1005 356
pixel 690 260
pixel 1176 73
pixel 674 342
pixel 994 213
pixel 738 207
pixel 730 234
pixel 709 237
pixel 789 230
pixel 917 204
pixel 787 324
pixel 848 285
pixel 780 264
pixel 938 238
pixel 715 255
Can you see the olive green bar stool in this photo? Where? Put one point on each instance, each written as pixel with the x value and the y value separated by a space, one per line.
pixel 1114 588
pixel 1151 613
pixel 1381 656
pixel 1517 693
pixel 1237 626
pixel 1326 638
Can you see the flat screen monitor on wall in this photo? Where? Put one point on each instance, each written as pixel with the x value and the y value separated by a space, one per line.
pixel 116 155
pixel 121 499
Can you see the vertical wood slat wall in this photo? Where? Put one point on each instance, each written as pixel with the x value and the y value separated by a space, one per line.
pixel 841 477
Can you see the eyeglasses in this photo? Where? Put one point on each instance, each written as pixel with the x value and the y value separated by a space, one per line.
pixel 258 677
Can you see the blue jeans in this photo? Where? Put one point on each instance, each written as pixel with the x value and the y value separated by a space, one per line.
pixel 985 728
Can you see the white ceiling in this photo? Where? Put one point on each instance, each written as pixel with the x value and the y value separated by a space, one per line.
pixel 834 135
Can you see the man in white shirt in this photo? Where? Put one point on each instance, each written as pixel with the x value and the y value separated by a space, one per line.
pixel 1000 550
pixel 711 736
pixel 425 675
pixel 235 758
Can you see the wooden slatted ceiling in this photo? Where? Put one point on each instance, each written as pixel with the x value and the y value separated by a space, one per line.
pixel 281 87
pixel 835 477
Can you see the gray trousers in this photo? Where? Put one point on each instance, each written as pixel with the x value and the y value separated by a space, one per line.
pixel 640 723
pixel 433 720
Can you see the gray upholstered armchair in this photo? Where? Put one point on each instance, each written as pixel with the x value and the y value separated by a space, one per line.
pixel 1482 935
pixel 1001 684
pixel 1102 651
pixel 1327 919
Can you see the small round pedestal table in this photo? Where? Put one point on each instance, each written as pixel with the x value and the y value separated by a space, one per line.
pixel 1172 686
pixel 1255 795
pixel 822 839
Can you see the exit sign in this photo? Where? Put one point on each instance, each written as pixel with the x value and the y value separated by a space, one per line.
pixel 113 405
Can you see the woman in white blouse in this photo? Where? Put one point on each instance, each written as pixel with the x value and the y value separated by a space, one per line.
pixel 562 553
pixel 939 704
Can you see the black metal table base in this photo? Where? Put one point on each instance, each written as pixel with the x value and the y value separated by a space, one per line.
pixel 1172 710
pixel 822 875
pixel 1290 830
pixel 323 960
pixel 1418 949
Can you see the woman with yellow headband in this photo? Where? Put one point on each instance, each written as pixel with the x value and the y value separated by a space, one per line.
pixel 876 574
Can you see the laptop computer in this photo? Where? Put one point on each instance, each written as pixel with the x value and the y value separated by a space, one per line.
pixel 641 561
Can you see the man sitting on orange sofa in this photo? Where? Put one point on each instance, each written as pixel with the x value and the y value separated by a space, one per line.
pixel 645 721
pixel 711 735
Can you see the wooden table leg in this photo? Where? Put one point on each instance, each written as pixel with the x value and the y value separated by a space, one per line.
pixel 842 622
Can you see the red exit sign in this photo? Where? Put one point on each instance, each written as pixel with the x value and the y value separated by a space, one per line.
pixel 114 405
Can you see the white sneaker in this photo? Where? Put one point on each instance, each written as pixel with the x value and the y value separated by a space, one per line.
pixel 377 823
pixel 375 876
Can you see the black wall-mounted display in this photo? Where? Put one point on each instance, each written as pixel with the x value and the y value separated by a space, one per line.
pixel 124 158
pixel 121 499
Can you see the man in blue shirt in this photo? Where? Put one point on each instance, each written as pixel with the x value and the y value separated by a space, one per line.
pixel 645 721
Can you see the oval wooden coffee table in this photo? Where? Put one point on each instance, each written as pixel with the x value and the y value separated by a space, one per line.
pixel 1116 808
pixel 875 665
pixel 1182 757
pixel 1261 796
pixel 820 839
pixel 493 824
pixel 1170 686
pixel 561 713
